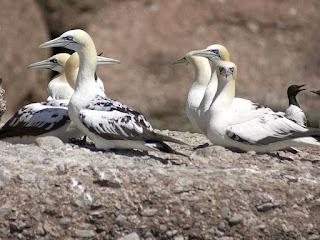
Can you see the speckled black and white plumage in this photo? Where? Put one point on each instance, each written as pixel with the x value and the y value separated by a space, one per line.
pixel 108 123
pixel 48 118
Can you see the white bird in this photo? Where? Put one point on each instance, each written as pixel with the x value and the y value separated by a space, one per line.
pixel 108 123
pixel 260 132
pixel 202 71
pixel 48 118
pixel 59 87
pixel 294 111
pixel 205 85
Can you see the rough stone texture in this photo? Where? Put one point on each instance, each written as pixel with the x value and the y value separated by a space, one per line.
pixel 3 103
pixel 274 43
pixel 140 195
pixel 22 30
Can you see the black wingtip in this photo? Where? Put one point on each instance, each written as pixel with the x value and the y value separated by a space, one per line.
pixel 163 147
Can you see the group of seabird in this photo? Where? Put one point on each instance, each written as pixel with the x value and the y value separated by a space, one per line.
pixel 238 123
pixel 78 106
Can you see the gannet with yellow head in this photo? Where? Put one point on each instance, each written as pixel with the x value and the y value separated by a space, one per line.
pixel 58 87
pixel 49 118
pixel 108 123
pixel 251 129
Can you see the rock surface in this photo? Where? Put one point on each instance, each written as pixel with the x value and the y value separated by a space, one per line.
pixel 70 191
pixel 22 30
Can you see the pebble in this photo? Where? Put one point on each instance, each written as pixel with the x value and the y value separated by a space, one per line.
pixel 171 233
pixel 221 226
pixel 85 233
pixel 149 212
pixel 235 220
pixel 225 212
pixel 65 221
pixel 49 141
pixel 5 210
pixel 265 207
pixel 131 236
pixel 121 220
pixel 314 237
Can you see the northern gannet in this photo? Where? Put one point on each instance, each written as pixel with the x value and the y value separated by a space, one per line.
pixel 108 123
pixel 49 118
pixel 59 87
pixel 202 71
pixel 261 132
pixel 294 111
pixel 205 85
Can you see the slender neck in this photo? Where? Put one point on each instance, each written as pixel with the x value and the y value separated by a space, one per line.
pixel 224 96
pixel 210 90
pixel 202 71
pixel 293 100
pixel 87 67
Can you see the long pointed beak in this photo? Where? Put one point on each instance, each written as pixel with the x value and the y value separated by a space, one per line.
pixel 104 61
pixel 316 92
pixel 42 64
pixel 204 53
pixel 57 42
pixel 181 61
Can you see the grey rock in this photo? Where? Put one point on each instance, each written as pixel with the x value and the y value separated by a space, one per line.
pixel 225 212
pixel 65 221
pixel 221 226
pixel 121 220
pixel 171 233
pixel 314 237
pixel 49 142
pixel 84 233
pixel 149 212
pixel 131 236
pixel 235 220
pixel 5 210
pixel 265 207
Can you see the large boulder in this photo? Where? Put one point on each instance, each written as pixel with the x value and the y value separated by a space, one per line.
pixel 22 30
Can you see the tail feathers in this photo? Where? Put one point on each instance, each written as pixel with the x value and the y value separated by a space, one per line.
pixel 161 146
pixel 165 138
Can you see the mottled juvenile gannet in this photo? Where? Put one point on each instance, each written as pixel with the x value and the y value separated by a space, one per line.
pixel 294 111
pixel 58 87
pixel 263 132
pixel 48 118
pixel 108 123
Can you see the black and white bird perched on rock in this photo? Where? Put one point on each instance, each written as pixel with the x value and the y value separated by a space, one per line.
pixel 294 110
pixel 108 123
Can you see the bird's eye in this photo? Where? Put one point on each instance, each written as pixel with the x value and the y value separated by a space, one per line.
pixel 54 60
pixel 69 38
pixel 220 69
pixel 215 51
pixel 231 69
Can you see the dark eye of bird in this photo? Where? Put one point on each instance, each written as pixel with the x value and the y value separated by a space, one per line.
pixel 220 69
pixel 231 69
pixel 69 38
pixel 216 51
pixel 54 60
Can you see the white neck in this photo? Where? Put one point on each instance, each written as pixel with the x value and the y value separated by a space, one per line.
pixel 224 96
pixel 87 67
pixel 210 90
pixel 202 71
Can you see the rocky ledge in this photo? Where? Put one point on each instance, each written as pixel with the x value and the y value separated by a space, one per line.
pixel 51 190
